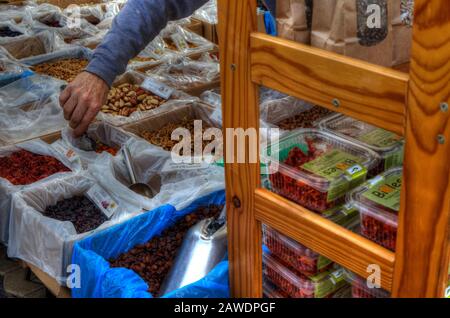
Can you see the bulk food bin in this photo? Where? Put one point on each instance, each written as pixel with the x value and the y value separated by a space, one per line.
pixel 378 202
pixel 386 144
pixel 298 256
pixel 297 285
pixel 316 169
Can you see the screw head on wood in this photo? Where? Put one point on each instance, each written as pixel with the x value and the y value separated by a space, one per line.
pixel 441 139
pixel 236 202
pixel 336 102
pixel 444 107
pixel 233 67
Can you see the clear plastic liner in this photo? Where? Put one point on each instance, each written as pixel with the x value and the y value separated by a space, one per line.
pixel 187 74
pixel 104 133
pixel 208 13
pixel 177 98
pixel 92 13
pixel 37 44
pixel 9 30
pixel 45 242
pixel 7 188
pixel 153 166
pixel 178 40
pixel 10 69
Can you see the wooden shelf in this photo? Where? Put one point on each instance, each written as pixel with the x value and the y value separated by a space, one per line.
pixel 324 237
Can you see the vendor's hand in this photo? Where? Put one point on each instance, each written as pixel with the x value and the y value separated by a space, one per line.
pixel 82 100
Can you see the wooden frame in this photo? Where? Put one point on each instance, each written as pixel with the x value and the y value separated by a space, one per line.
pixel 411 105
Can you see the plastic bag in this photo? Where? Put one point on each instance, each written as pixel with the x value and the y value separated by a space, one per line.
pixel 153 166
pixel 32 89
pixel 45 242
pixel 177 98
pixel 99 132
pixel 7 188
pixel 186 74
pixel 69 29
pixel 180 41
pixel 31 45
pixel 32 121
pixel 102 281
pixel 9 30
pixel 208 13
pixel 11 70
pixel 92 13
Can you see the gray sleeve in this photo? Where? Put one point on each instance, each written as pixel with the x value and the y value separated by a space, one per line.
pixel 139 22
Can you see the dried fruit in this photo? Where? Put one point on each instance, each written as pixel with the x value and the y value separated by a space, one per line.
pixel 126 99
pixel 7 32
pixel 23 167
pixel 101 147
pixel 80 211
pixel 64 69
pixel 153 260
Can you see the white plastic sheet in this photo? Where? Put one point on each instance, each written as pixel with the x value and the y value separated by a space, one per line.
pixel 47 243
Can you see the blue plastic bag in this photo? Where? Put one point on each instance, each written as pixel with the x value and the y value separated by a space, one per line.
pixel 270 23
pixel 10 77
pixel 99 280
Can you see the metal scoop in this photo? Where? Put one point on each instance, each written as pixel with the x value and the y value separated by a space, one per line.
pixel 140 188
pixel 204 246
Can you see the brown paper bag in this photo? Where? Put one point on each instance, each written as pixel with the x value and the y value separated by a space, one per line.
pixel 294 20
pixel 354 28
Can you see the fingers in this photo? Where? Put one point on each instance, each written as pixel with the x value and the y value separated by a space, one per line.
pixel 88 117
pixel 69 106
pixel 65 95
pixel 78 113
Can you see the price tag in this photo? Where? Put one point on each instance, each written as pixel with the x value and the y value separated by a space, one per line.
pixel 170 165
pixel 102 200
pixel 157 88
pixel 119 137
pixel 179 41
pixel 337 276
pixel 62 148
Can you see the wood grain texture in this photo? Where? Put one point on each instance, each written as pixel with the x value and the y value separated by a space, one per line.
pixel 237 18
pixel 423 237
pixel 50 283
pixel 324 237
pixel 367 92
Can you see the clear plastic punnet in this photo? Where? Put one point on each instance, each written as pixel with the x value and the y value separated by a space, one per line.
pixel 298 256
pixel 378 202
pixel 360 288
pixel 316 169
pixel 271 291
pixel 297 285
pixel 387 144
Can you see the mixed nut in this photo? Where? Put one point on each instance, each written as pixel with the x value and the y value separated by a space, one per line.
pixel 23 167
pixel 80 211
pixel 101 147
pixel 64 69
pixel 153 260
pixel 163 136
pixel 126 99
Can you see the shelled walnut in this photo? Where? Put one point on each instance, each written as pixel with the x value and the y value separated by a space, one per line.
pixel 64 69
pixel 128 98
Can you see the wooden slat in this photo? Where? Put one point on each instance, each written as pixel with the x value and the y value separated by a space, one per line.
pixel 324 237
pixel 367 92
pixel 50 283
pixel 423 237
pixel 237 18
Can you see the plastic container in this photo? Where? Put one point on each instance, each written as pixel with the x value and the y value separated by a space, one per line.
pixel 360 289
pixel 298 256
pixel 316 169
pixel 378 202
pixel 271 291
pixel 386 144
pixel 297 285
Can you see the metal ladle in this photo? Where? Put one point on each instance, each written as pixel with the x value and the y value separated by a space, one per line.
pixel 140 188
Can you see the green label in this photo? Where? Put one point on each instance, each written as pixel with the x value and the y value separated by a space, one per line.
pixel 328 282
pixel 335 164
pixel 394 160
pixel 386 192
pixel 380 138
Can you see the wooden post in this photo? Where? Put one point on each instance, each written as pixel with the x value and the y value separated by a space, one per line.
pixel 237 19
pixel 421 267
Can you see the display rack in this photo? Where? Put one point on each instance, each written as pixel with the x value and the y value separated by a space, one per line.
pixel 414 106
